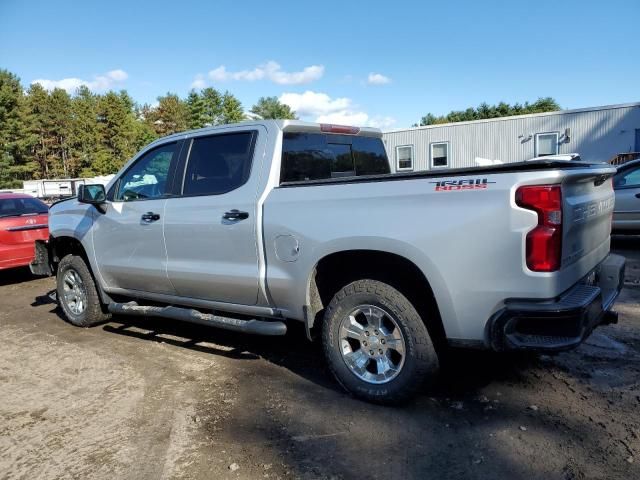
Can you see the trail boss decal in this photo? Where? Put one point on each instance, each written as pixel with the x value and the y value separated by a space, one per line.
pixel 467 184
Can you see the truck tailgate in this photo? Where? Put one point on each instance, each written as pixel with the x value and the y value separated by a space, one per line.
pixel 588 201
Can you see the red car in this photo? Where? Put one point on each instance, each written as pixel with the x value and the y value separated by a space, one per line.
pixel 23 220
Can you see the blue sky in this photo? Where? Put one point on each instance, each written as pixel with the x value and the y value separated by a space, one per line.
pixel 376 63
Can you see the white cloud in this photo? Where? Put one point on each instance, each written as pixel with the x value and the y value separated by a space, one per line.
pixel 382 122
pixel 307 75
pixel 345 117
pixel 118 75
pixel 271 71
pixel 99 83
pixel 310 104
pixel 320 107
pixel 377 79
pixel 199 82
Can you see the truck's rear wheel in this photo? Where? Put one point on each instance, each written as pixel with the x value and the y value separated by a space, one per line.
pixel 77 294
pixel 376 344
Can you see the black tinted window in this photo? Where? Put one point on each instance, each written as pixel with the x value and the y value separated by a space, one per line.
pixel 11 207
pixel 316 156
pixel 147 178
pixel 219 163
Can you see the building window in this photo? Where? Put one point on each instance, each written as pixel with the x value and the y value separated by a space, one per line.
pixel 546 144
pixel 404 157
pixel 439 154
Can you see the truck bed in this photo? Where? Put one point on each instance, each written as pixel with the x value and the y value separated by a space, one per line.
pixel 529 166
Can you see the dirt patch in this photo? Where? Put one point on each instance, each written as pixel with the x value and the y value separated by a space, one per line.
pixel 146 398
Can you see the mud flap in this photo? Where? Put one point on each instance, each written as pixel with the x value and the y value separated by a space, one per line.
pixel 40 265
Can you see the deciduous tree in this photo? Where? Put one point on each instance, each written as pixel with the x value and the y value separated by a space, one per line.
pixel 170 116
pixel 271 108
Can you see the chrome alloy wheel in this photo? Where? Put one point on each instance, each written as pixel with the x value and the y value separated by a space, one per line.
pixel 75 293
pixel 372 345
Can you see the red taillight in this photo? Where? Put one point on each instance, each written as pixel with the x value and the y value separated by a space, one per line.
pixel 343 129
pixel 544 243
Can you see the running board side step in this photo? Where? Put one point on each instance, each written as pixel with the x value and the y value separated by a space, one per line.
pixel 253 326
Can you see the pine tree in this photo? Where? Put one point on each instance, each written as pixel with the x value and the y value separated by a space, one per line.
pixel 14 162
pixel 38 138
pixel 196 108
pixel 144 133
pixel 231 109
pixel 85 129
pixel 59 115
pixel 212 106
pixel 117 125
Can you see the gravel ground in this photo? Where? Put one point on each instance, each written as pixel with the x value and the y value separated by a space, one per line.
pixel 145 398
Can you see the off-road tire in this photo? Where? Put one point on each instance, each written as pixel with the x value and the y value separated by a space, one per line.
pixel 93 313
pixel 420 363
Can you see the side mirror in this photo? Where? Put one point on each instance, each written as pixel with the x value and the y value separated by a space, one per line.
pixel 92 194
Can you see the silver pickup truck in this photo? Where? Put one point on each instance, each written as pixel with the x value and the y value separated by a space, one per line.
pixel 250 226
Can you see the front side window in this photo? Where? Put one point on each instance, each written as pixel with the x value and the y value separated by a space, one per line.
pixel 627 179
pixel 218 164
pixel 440 154
pixel 404 157
pixel 147 178
pixel 546 144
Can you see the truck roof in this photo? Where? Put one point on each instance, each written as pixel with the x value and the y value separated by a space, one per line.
pixel 284 125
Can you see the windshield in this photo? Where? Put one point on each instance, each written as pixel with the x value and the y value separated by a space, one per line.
pixel 15 207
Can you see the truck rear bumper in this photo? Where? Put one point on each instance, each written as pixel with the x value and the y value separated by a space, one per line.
pixel 560 323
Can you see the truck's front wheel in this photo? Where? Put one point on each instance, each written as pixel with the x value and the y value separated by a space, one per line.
pixel 77 293
pixel 376 344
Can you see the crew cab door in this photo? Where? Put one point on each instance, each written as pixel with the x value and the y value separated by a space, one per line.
pixel 128 239
pixel 210 228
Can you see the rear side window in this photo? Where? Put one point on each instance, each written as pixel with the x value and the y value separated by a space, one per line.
pixel 14 207
pixel 219 163
pixel 317 156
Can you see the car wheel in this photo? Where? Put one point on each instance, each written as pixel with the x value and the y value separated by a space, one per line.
pixel 77 294
pixel 376 344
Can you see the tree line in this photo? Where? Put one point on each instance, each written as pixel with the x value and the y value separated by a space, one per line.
pixel 51 134
pixel 484 111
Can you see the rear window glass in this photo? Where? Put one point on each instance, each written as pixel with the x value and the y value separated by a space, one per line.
pixel 12 207
pixel 317 156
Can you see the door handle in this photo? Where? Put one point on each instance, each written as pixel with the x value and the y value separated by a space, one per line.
pixel 637 195
pixel 235 215
pixel 150 217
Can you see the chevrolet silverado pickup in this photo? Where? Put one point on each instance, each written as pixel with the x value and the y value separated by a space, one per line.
pixel 252 226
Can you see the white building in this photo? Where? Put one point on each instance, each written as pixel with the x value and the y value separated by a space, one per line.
pixel 597 134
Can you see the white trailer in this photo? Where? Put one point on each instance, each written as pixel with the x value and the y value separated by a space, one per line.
pixel 49 189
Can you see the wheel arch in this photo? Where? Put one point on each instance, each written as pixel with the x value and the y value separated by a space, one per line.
pixel 335 270
pixel 64 245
